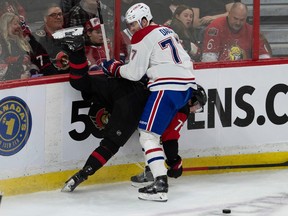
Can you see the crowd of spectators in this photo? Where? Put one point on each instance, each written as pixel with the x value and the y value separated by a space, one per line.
pixel 202 26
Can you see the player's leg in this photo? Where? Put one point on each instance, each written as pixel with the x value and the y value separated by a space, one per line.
pixel 116 134
pixel 144 178
pixel 151 126
pixel 170 143
pixel 160 109
pixel 154 155
pixel 95 161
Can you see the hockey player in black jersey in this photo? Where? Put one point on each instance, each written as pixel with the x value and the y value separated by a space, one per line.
pixel 125 101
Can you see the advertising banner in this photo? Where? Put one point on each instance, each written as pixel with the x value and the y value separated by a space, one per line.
pixel 48 128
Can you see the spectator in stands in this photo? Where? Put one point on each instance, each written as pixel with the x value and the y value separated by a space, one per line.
pixel 205 11
pixel 15 50
pixel 182 24
pixel 94 47
pixel 88 9
pixel 39 55
pixel 82 12
pixel 231 38
pixel 66 6
pixel 12 6
pixel 53 21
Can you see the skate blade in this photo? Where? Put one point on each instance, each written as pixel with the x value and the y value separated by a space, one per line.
pixel 68 186
pixel 159 197
pixel 72 31
pixel 142 184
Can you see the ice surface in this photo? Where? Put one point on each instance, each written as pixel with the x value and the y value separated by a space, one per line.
pixel 261 193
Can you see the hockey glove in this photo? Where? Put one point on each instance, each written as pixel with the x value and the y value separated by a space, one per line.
pixel 175 168
pixel 112 67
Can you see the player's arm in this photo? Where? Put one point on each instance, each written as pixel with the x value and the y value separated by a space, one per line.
pixel 135 69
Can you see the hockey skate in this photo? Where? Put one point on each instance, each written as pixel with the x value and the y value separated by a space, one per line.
pixel 77 179
pixel 157 191
pixel 70 38
pixel 143 179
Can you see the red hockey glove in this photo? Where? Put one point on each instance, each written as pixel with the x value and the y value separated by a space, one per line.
pixel 112 67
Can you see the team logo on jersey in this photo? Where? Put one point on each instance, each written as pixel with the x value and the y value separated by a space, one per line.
pixel 61 61
pixel 40 33
pixel 213 31
pixel 101 118
pixel 236 53
pixel 15 125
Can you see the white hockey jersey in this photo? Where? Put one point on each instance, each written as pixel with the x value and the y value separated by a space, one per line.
pixel 157 52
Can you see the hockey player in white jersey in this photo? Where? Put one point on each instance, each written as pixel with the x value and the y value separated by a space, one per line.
pixel 156 53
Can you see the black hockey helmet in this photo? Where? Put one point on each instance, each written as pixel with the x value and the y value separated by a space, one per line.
pixel 199 97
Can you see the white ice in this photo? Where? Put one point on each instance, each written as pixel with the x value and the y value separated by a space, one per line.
pixel 261 193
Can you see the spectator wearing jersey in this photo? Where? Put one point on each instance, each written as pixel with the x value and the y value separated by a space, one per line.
pixel 53 21
pixel 39 55
pixel 94 46
pixel 230 38
pixel 182 24
pixel 15 52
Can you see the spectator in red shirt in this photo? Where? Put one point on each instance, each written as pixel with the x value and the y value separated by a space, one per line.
pixel 94 46
pixel 231 38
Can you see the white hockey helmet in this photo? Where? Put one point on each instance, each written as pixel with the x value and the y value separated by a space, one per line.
pixel 137 12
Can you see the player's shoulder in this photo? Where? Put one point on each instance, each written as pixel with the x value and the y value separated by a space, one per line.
pixel 142 33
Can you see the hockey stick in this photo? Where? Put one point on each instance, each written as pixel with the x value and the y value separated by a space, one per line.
pixel 0 197
pixel 247 166
pixel 103 30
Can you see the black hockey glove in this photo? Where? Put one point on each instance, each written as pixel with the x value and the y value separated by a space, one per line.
pixel 175 168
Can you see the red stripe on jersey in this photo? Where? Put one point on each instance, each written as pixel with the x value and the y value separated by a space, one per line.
pixel 75 77
pixel 99 157
pixel 154 110
pixel 139 35
pixel 98 72
pixel 78 66
pixel 153 150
